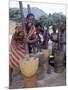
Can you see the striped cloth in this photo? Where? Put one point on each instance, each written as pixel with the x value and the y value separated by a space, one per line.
pixel 17 49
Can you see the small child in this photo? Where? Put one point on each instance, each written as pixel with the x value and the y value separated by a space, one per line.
pixel 54 39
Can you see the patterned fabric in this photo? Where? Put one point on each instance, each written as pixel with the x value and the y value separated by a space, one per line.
pixel 17 49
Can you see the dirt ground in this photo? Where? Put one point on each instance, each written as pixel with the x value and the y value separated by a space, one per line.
pixel 44 79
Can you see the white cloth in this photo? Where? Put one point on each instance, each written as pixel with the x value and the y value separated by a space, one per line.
pixel 41 37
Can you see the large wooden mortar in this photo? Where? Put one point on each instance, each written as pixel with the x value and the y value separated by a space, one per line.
pixel 29 69
pixel 46 58
pixel 59 62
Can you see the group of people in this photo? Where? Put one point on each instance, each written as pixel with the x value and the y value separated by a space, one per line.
pixel 37 39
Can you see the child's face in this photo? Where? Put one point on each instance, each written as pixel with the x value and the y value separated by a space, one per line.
pixel 63 28
pixel 30 19
pixel 38 29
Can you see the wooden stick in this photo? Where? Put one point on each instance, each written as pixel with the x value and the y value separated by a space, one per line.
pixel 59 40
pixel 23 27
pixel 28 8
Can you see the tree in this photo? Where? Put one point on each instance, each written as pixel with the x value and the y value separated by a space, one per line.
pixel 14 14
pixel 52 19
pixel 43 20
pixel 47 20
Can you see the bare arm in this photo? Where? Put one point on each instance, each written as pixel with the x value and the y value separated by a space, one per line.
pixel 33 40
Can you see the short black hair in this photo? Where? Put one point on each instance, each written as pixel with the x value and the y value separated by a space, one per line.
pixel 38 24
pixel 30 14
pixel 54 27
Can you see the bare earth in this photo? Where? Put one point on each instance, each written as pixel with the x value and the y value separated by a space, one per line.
pixel 45 80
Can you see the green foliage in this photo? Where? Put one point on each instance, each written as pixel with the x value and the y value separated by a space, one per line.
pixel 43 20
pixel 50 19
pixel 14 14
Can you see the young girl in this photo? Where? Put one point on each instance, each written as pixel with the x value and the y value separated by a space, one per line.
pixel 17 48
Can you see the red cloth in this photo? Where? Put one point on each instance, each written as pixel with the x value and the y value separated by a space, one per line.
pixel 17 49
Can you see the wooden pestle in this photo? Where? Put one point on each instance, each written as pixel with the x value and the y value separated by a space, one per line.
pixel 24 30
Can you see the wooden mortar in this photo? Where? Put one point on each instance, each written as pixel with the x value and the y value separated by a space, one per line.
pixel 29 69
pixel 46 58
